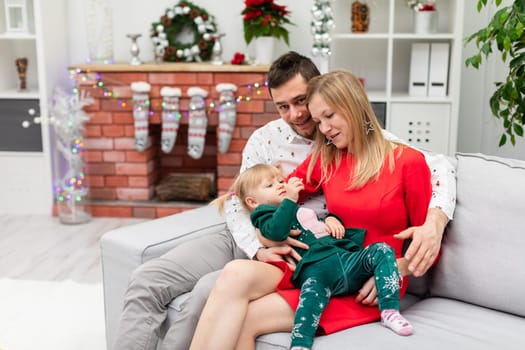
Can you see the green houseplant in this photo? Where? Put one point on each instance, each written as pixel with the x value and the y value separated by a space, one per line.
pixel 505 32
pixel 265 18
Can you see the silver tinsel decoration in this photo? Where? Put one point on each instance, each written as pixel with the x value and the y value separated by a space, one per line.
pixel 321 25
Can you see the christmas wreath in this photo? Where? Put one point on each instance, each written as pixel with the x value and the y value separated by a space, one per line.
pixel 183 19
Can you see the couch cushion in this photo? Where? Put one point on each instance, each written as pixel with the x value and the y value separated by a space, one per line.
pixel 438 324
pixel 483 248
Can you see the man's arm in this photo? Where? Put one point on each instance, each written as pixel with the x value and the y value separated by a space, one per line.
pixel 426 239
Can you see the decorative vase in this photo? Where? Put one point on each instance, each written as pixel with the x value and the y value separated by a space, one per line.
pixel 134 50
pixel 264 46
pixel 99 29
pixel 425 22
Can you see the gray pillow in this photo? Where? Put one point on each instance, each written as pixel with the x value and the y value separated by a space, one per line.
pixel 483 252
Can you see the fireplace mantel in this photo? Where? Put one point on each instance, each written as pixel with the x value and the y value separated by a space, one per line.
pixel 121 179
pixel 172 67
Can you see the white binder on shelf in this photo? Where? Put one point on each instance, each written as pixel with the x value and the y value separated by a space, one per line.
pixel 418 82
pixel 438 72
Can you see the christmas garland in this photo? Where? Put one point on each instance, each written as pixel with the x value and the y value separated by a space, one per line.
pixel 321 25
pixel 184 16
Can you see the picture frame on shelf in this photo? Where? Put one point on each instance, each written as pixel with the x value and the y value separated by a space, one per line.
pixel 16 16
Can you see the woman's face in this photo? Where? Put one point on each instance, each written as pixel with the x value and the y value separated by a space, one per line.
pixel 331 124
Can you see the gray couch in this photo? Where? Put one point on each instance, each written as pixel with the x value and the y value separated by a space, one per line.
pixel 473 299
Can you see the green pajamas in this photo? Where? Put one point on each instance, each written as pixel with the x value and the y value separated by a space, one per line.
pixel 343 273
pixel 329 267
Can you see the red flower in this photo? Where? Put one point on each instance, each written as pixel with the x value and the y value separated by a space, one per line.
pixel 428 7
pixel 255 2
pixel 265 18
pixel 238 58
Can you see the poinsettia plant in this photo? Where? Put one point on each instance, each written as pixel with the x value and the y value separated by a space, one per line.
pixel 265 18
pixel 417 5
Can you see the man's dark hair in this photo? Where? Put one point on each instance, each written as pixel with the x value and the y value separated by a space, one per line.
pixel 288 66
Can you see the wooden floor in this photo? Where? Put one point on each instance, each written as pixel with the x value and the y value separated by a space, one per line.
pixel 41 248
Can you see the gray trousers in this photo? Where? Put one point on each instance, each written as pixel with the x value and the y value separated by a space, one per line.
pixel 154 284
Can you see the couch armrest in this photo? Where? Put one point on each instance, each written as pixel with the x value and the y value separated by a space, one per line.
pixel 125 248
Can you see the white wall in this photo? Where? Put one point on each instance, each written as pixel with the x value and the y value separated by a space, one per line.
pixel 478 130
pixel 136 16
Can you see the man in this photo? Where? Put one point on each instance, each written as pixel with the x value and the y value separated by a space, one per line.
pixel 154 284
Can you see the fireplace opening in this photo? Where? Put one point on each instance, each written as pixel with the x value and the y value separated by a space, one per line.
pixel 181 177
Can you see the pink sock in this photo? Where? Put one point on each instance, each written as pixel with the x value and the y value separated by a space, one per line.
pixel 391 318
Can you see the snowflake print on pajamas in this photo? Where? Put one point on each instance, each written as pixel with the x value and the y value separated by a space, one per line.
pixel 392 282
pixel 383 247
pixel 296 333
pixel 315 321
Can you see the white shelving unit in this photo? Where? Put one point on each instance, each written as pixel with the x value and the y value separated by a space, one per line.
pixel 25 183
pixel 382 58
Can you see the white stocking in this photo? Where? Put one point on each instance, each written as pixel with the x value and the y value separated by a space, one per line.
pixel 170 117
pixel 197 122
pixel 227 115
pixel 141 91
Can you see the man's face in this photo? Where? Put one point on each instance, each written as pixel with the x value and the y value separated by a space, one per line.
pixel 290 101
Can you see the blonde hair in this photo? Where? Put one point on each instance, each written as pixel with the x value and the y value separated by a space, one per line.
pixel 345 94
pixel 245 182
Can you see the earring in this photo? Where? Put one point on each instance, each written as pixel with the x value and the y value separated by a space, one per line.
pixel 369 126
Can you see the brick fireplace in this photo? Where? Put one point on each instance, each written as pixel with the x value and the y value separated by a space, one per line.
pixel 122 180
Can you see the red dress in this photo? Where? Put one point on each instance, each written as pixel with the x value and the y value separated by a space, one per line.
pixel 397 200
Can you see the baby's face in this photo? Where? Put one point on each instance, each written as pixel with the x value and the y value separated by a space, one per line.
pixel 270 191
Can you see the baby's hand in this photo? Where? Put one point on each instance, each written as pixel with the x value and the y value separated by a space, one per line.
pixel 334 227
pixel 293 187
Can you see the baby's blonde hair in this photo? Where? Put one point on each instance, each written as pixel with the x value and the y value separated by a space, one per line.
pixel 245 182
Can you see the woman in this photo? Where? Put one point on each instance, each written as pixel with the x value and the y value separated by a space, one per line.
pixel 368 182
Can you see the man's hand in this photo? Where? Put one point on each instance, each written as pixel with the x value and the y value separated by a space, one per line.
pixel 426 241
pixel 280 251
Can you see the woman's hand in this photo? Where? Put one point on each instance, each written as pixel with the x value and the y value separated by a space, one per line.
pixel 367 295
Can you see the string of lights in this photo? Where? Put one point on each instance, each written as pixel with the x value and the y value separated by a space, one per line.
pixel 101 86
